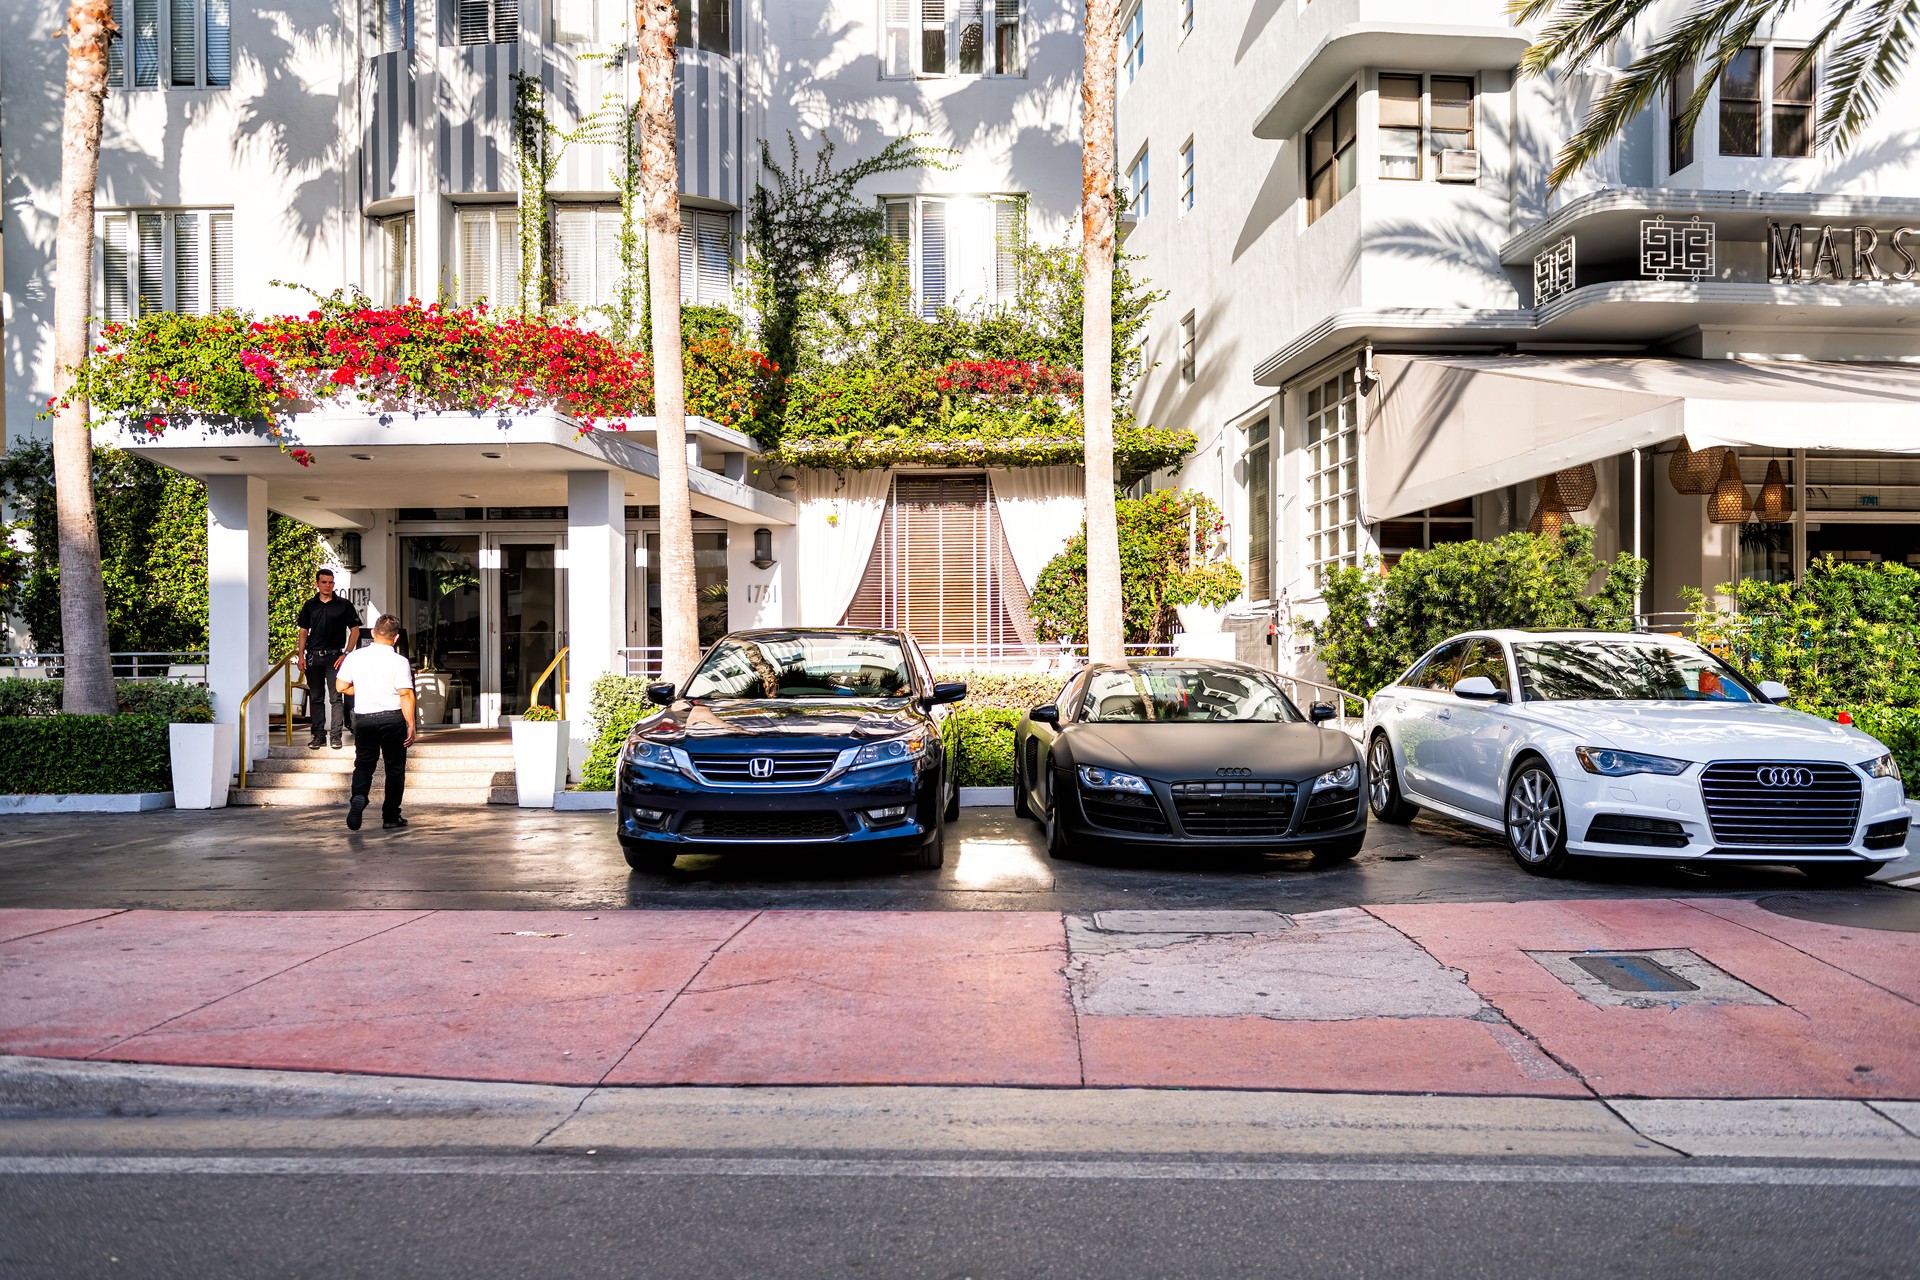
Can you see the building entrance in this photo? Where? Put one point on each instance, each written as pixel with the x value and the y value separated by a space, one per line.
pixel 484 614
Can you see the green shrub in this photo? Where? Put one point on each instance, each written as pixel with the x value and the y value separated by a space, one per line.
pixel 1156 536
pixel 1010 690
pixel 1898 727
pixel 618 703
pixel 986 745
pixel 1378 623
pixel 176 700
pixel 53 755
pixel 538 714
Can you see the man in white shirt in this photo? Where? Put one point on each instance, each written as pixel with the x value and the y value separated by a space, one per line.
pixel 381 684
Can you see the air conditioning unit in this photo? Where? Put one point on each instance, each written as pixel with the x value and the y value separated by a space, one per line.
pixel 1459 166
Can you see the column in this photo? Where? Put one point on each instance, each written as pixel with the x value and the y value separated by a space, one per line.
pixel 759 595
pixel 237 601
pixel 596 590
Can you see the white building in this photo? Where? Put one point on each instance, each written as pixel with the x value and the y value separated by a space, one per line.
pixel 368 143
pixel 1385 328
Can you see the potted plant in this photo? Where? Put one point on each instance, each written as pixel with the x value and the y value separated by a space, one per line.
pixel 539 757
pixel 1201 594
pixel 203 757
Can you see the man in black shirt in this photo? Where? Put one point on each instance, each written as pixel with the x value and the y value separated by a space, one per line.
pixel 329 630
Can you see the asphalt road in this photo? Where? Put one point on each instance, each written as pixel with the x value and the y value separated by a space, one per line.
pixel 285 860
pixel 570 1216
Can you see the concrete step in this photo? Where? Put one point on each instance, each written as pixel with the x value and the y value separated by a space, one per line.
pixel 502 751
pixel 438 780
pixel 340 763
pixel 309 797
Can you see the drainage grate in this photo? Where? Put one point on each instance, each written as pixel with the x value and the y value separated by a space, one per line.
pixel 1634 973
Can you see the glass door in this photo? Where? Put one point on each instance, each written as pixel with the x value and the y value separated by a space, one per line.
pixel 527 609
pixel 443 635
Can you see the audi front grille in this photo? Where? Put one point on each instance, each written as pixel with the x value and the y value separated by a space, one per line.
pixel 1235 808
pixel 1776 804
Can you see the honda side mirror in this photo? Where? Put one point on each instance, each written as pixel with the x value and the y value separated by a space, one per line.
pixel 660 695
pixel 1321 712
pixel 945 692
pixel 1045 715
pixel 1479 689
pixel 1774 691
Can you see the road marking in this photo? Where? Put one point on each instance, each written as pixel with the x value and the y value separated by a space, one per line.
pixel 1091 1170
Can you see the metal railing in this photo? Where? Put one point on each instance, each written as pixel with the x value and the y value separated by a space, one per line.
pixel 643 661
pixel 1339 700
pixel 283 667
pixel 143 665
pixel 560 688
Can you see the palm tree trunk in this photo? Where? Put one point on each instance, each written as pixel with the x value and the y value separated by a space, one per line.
pixel 83 607
pixel 1105 639
pixel 654 24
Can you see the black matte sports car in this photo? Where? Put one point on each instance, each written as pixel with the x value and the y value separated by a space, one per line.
pixel 798 739
pixel 1178 753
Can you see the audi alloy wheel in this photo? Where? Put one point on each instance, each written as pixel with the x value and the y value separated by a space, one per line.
pixel 1537 821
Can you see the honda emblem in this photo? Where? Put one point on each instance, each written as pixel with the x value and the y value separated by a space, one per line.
pixel 760 767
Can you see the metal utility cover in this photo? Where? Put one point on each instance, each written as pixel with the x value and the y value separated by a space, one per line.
pixel 1647 979
pixel 1634 973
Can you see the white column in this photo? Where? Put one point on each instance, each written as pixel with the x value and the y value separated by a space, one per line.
pixel 237 601
pixel 756 596
pixel 596 588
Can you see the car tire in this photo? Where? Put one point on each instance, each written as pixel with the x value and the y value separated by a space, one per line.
pixel 1536 820
pixel 645 857
pixel 1838 873
pixel 1022 807
pixel 1339 850
pixel 933 854
pixel 952 811
pixel 1384 800
pixel 1059 847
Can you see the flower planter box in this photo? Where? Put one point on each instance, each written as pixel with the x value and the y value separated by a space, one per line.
pixel 1200 619
pixel 203 759
pixel 539 761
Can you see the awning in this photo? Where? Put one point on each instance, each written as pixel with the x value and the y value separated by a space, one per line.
pixel 1447 427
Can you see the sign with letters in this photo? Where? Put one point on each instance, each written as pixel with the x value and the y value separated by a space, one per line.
pixel 1858 254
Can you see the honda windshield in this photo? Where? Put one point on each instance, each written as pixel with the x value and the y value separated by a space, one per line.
pixel 801 664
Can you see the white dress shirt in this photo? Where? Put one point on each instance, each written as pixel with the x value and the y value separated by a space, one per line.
pixel 377 674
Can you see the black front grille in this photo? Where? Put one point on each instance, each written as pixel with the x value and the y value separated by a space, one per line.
pixel 793 768
pixel 1235 808
pixel 800 825
pixel 1748 813
pixel 1122 811
pixel 1649 833
pixel 1330 811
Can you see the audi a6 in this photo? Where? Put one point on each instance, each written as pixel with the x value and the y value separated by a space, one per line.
pixel 1582 743
pixel 1171 753
pixel 794 739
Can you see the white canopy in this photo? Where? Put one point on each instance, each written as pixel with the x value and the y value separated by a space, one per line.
pixel 1447 427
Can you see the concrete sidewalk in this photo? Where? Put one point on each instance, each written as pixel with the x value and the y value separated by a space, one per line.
pixel 1650 998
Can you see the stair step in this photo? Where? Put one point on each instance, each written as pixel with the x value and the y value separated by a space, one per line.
pixel 337 765
pixel 419 751
pixel 313 797
pixel 438 781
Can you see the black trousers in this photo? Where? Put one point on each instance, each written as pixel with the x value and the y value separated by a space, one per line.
pixel 384 733
pixel 326 714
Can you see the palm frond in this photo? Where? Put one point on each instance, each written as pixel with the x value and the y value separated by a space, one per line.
pixel 1867 62
pixel 1578 29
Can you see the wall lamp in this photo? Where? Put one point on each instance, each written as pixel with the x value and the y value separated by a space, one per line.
pixel 349 548
pixel 763 549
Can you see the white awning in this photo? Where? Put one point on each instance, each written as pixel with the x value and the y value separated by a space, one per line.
pixel 1447 427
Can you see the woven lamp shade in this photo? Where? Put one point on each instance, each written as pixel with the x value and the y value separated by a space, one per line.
pixel 1546 496
pixel 1728 503
pixel 1546 520
pixel 1774 502
pixel 1569 490
pixel 1695 470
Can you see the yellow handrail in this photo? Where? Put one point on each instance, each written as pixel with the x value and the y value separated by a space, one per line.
pixel 559 689
pixel 284 665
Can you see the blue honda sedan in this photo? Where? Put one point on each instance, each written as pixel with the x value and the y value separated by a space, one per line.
pixel 795 739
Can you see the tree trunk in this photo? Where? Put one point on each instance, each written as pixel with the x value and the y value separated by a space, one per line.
pixel 83 607
pixel 1105 638
pixel 654 22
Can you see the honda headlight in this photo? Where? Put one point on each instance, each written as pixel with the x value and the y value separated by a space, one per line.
pixel 1609 763
pixel 1345 778
pixel 653 755
pixel 899 750
pixel 1095 778
pixel 1882 767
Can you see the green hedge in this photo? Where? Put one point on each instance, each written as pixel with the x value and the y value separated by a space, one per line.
pixel 1013 690
pixel 986 745
pixel 53 755
pixel 1898 727
pixel 176 700
pixel 618 703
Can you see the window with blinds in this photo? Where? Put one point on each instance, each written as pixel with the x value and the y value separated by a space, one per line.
pixel 592 21
pixel 950 38
pixel 960 251
pixel 489 240
pixel 941 571
pixel 586 251
pixel 187 44
pixel 165 260
pixel 396 259
pixel 706 258
pixel 486 21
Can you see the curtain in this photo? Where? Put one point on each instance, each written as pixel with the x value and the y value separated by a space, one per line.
pixel 840 516
pixel 1041 508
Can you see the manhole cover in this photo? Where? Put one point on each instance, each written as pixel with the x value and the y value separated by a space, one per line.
pixel 1647 979
pixel 1892 909
pixel 1189 921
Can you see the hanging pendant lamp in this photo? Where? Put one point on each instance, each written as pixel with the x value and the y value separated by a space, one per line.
pixel 1547 521
pixel 1728 503
pixel 1693 470
pixel 1546 496
pixel 1774 502
pixel 1569 490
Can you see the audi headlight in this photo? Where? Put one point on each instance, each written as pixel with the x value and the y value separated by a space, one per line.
pixel 912 746
pixel 1609 763
pixel 1882 767
pixel 653 755
pixel 1095 778
pixel 1345 778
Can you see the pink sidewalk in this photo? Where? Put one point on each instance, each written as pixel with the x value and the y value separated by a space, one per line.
pixel 1455 999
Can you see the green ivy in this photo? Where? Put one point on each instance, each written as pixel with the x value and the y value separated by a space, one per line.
pixel 1157 534
pixel 1137 451
pixel 88 755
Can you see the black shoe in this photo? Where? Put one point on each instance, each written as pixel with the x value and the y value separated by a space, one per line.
pixel 391 823
pixel 316 744
pixel 338 742
pixel 355 807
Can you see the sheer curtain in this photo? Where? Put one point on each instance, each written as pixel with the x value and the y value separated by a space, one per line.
pixel 1041 508
pixel 840 514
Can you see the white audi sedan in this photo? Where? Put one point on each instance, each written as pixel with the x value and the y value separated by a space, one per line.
pixel 1614 744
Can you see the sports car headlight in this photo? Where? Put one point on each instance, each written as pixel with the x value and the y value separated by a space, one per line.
pixel 899 750
pixel 1345 778
pixel 1610 763
pixel 1095 778
pixel 653 755
pixel 1882 767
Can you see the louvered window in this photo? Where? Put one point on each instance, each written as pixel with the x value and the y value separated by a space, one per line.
pixel 187 44
pixel 592 21
pixel 950 37
pixel 959 251
pixel 706 258
pixel 941 571
pixel 487 21
pixel 158 260
pixel 396 25
pixel 586 248
pixel 1259 511
pixel 490 256
pixel 396 265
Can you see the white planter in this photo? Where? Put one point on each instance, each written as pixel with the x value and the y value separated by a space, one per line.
pixel 1200 619
pixel 203 758
pixel 430 690
pixel 539 761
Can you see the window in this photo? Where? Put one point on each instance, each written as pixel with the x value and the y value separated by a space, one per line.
pixel 1137 187
pixel 1740 105
pixel 1133 42
pixel 1333 475
pixel 396 265
pixel 706 25
pixel 1186 348
pixel 1186 18
pixel 960 251
pixel 195 53
pixel 1442 106
pixel 1259 511
pixel 1424 530
pixel 396 25
pixel 1792 104
pixel 165 260
pixel 1186 176
pixel 1679 139
pixel 586 254
pixel 487 21
pixel 595 21
pixel 1485 658
pixel 706 257
pixel 1450 124
pixel 1400 127
pixel 950 37
pixel 1762 102
pixel 489 239
pixel 1331 157
pixel 1436 672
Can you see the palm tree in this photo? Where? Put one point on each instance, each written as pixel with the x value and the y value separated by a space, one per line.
pixel 1863 45
pixel 1105 640
pixel 654 23
pixel 88 686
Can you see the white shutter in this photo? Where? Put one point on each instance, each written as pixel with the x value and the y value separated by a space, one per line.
pixel 476 257
pixel 933 256
pixel 970 253
pixel 897 55
pixel 475 22
pixel 1009 235
pixel 146 43
pixel 397 234
pixel 506 243
pixel 183 43
pixel 117 304
pixel 606 256
pixel 506 21
pixel 220 261
pixel 573 255
pixel 715 241
pixel 187 265
pixel 573 20
pixel 150 261
pixel 219 42
pixel 117 49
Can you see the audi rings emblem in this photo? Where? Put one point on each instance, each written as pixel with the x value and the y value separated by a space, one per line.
pixel 1774 775
pixel 1234 773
